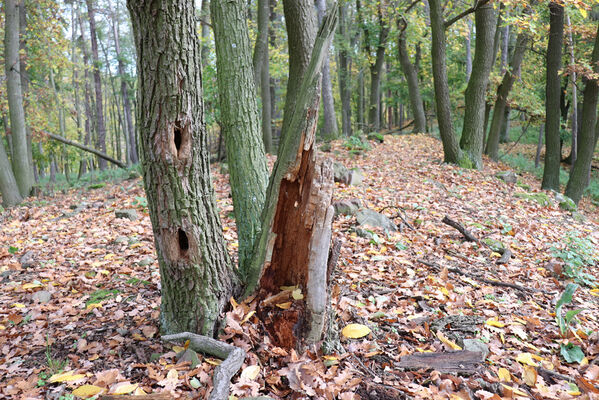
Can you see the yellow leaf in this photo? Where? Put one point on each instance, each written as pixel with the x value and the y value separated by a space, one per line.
pixel 248 316
pixel 504 375
pixel 213 361
pixel 297 294
pixel 86 391
pixel 65 377
pixel 355 331
pixel 284 306
pixel 445 291
pixel 123 388
pixel 250 372
pixel 495 322
pixel 172 374
pixel 526 358
pixel 233 302
pixel 583 12
pixel 92 306
pixel 137 336
pixel 447 341
pixel 178 349
pixel 330 358
pixel 19 305
pixel 134 245
pixel 530 376
pixel 595 292
pixel 32 285
pixel 514 390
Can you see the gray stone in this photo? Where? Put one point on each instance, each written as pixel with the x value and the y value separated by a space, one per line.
pixel 126 213
pixel 121 239
pixel 367 217
pixel 476 345
pixel 363 233
pixel 507 176
pixel 347 207
pixel 340 173
pixel 42 296
pixel 122 331
pixel 145 262
pixel 565 203
pixel 355 177
pixel 28 260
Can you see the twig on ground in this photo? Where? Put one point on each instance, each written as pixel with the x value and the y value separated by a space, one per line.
pixel 233 359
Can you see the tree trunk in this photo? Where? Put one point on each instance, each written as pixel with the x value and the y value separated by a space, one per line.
pixel 262 72
pixel 580 171
pixel 376 72
pixel 130 129
pixel 451 148
pixel 552 102
pixel 293 246
pixel 205 14
pixel 344 71
pixel 8 184
pixel 510 76
pixel 539 146
pixel 300 20
pixel 24 75
pixel 361 101
pixel 100 127
pixel 240 121
pixel 21 167
pixel 87 94
pixel 197 277
pixel 413 86
pixel 329 128
pixel 474 116
pixel 469 49
pixel 574 149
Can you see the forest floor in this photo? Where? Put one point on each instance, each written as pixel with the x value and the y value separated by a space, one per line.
pixel 83 316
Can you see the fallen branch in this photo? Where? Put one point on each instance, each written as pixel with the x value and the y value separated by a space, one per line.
pixel 233 359
pixel 85 148
pixel 506 253
pixel 479 278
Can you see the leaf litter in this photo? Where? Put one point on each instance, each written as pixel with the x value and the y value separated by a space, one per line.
pixel 421 290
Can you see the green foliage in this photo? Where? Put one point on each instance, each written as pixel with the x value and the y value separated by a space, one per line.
pixel 539 197
pixel 356 142
pixel 54 365
pixel 140 201
pixel 101 294
pixel 578 253
pixel 13 250
pixel 570 351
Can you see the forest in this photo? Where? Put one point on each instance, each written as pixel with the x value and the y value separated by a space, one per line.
pixel 262 199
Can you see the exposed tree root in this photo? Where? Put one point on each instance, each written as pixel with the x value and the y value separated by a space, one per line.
pixel 233 359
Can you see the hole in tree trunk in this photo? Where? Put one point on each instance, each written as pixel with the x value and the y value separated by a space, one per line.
pixel 178 133
pixel 183 242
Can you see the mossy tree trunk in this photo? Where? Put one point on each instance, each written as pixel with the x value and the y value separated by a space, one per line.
pixel 197 277
pixel 552 101
pixel 580 171
pixel 411 75
pixel 474 116
pixel 240 121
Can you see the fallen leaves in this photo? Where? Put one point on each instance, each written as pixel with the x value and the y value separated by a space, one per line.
pixel 355 331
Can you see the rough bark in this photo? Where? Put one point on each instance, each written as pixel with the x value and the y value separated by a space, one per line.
pixel 469 50
pixel 293 246
pixel 376 73
pixel 574 148
pixel 411 75
pixel 451 148
pixel 21 167
pixel 261 45
pixel 344 71
pixel 474 116
pixel 552 102
pixel 205 14
pixel 300 21
pixel 99 116
pixel 262 72
pixel 510 76
pixel 539 146
pixel 87 95
pixel 240 121
pixel 329 127
pixel 8 184
pixel 25 81
pixel 197 277
pixel 580 171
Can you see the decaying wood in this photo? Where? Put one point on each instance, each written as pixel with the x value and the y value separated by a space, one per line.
pixel 465 362
pixel 85 148
pixel 293 247
pixel 233 360
pixel 506 253
pixel 334 253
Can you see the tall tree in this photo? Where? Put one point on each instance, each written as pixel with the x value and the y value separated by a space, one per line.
pixel 22 169
pixel 474 116
pixel 262 71
pixel 344 70
pixel 329 127
pixel 240 121
pixel 552 102
pixel 99 116
pixel 588 137
pixel 196 274
pixel 8 184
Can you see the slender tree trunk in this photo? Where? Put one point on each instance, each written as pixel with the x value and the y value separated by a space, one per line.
pixel 262 72
pixel 539 146
pixel 8 184
pixel 196 274
pixel 205 14
pixel 300 20
pixel 580 170
pixel 376 73
pixel 240 121
pixel 451 148
pixel 20 161
pixel 469 49
pixel 24 75
pixel 344 71
pixel 505 44
pixel 510 76
pixel 329 128
pixel 552 102
pixel 573 152
pixel 100 127
pixel 474 116
pixel 361 101
pixel 261 45
pixel 87 94
pixel 413 85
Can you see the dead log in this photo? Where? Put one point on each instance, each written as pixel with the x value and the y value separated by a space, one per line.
pixel 86 148
pixel 293 246
pixel 464 362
